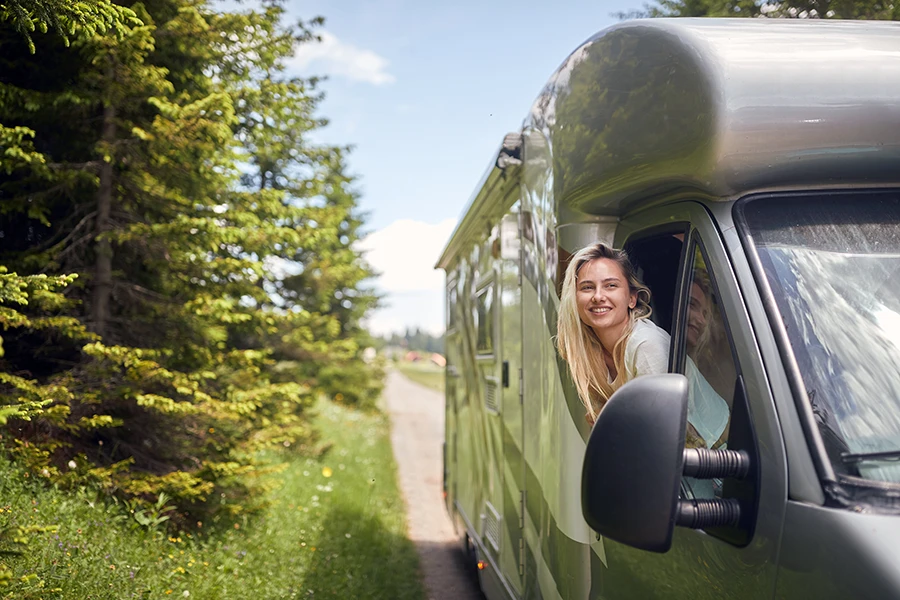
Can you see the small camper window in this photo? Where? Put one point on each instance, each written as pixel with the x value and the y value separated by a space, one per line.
pixel 485 319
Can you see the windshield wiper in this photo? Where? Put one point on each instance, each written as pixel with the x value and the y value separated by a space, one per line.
pixel 855 457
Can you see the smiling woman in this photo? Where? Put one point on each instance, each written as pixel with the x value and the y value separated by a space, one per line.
pixel 603 331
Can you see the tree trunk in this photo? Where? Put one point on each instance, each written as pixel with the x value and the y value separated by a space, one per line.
pixel 103 265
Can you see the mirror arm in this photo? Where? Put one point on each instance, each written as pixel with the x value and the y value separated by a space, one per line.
pixel 700 514
pixel 702 463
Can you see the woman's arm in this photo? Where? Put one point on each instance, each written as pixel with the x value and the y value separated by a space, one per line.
pixel 651 358
pixel 650 354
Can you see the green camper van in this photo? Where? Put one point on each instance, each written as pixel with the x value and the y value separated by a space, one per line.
pixel 750 165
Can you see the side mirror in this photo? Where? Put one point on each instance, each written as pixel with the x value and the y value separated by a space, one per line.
pixel 634 462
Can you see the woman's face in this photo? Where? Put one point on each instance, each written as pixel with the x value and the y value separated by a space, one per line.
pixel 698 315
pixel 603 298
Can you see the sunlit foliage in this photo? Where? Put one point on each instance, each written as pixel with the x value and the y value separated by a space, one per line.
pixel 179 277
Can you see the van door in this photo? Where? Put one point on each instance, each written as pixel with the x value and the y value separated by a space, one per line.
pixel 512 429
pixel 713 342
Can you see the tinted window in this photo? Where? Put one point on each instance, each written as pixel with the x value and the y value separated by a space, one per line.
pixel 709 367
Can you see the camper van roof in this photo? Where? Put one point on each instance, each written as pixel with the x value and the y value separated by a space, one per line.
pixel 715 108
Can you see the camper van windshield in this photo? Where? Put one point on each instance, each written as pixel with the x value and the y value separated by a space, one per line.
pixel 833 264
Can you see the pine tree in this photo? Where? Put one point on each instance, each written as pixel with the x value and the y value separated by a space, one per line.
pixel 65 18
pixel 312 282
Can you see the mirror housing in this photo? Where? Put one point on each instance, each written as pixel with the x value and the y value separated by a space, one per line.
pixel 634 460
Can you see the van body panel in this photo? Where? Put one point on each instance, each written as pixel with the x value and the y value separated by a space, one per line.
pixel 744 110
pixel 452 402
pixel 553 495
pixel 835 554
pixel 490 579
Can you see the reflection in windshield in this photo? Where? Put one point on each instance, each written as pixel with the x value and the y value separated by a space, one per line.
pixel 836 280
pixel 851 339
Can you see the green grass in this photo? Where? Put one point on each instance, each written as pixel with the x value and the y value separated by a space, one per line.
pixel 426 373
pixel 336 528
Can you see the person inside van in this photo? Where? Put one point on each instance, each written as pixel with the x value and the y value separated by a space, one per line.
pixel 606 338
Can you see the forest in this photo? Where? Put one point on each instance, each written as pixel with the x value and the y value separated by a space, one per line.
pixel 178 277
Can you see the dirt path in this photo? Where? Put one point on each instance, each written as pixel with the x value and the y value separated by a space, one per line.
pixel 417 431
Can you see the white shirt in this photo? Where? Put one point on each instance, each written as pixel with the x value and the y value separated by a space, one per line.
pixel 647 350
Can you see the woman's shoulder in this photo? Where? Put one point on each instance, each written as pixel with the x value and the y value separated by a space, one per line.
pixel 646 330
pixel 647 349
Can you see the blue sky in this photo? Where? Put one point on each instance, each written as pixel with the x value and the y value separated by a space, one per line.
pixel 425 92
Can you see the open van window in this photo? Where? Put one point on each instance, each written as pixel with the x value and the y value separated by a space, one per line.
pixel 656 259
pixel 832 263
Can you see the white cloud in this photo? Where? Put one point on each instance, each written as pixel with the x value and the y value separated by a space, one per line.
pixel 423 310
pixel 404 253
pixel 335 57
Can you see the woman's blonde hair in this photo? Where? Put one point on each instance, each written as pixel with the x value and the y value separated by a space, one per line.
pixel 577 343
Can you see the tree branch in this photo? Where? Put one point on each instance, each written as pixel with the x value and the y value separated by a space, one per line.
pixel 78 226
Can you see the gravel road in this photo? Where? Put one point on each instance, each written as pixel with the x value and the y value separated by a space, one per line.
pixel 417 431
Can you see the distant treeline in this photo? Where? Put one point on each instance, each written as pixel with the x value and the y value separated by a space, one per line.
pixel 178 279
pixel 414 339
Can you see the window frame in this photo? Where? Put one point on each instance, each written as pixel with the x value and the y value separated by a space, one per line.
pixel 450 307
pixel 679 349
pixel 706 223
pixel 740 420
pixel 487 284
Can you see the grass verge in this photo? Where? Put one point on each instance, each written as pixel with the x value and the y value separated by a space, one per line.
pixel 335 528
pixel 425 373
